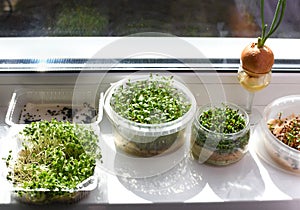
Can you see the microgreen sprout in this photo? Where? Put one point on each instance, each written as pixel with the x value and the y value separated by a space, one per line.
pixel 151 101
pixel 222 123
pixel 222 120
pixel 56 156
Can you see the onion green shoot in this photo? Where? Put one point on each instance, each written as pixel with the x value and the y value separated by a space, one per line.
pixel 278 16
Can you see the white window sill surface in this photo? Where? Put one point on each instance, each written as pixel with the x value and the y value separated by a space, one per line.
pixel 248 184
pixel 87 47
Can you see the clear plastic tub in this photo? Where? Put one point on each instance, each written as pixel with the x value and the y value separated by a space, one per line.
pixel 14 147
pixel 41 102
pixel 62 104
pixel 147 140
pixel 218 148
pixel 282 155
pixel 45 196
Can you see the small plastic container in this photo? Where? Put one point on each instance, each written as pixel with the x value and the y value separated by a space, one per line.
pixel 283 156
pixel 63 104
pixel 147 140
pixel 218 148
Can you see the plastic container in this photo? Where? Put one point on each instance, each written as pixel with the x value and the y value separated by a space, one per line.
pixel 219 148
pixel 147 140
pixel 13 147
pixel 44 196
pixel 64 104
pixel 283 156
pixel 47 104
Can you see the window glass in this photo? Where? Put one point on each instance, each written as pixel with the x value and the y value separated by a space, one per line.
pixel 190 18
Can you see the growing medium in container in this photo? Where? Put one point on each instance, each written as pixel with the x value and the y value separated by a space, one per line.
pixel 150 114
pixel 286 130
pixel 55 162
pixel 280 132
pixel 220 134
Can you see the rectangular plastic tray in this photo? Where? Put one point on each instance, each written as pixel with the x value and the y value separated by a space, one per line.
pixel 42 196
pixel 28 105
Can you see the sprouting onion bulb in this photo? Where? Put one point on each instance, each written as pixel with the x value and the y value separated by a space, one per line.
pixel 257 58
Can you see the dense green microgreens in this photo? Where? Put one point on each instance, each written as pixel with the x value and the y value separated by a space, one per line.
pixel 150 101
pixel 221 121
pixel 55 156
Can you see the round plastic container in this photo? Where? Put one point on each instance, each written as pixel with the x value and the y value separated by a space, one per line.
pixel 284 156
pixel 146 140
pixel 218 148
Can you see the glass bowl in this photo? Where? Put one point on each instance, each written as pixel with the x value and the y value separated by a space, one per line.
pixel 145 139
pixel 219 147
pixel 285 156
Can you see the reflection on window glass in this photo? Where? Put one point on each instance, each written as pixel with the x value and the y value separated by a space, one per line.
pixel 192 18
pixel 249 14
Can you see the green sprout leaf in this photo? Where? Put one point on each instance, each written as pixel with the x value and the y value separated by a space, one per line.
pixel 151 101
